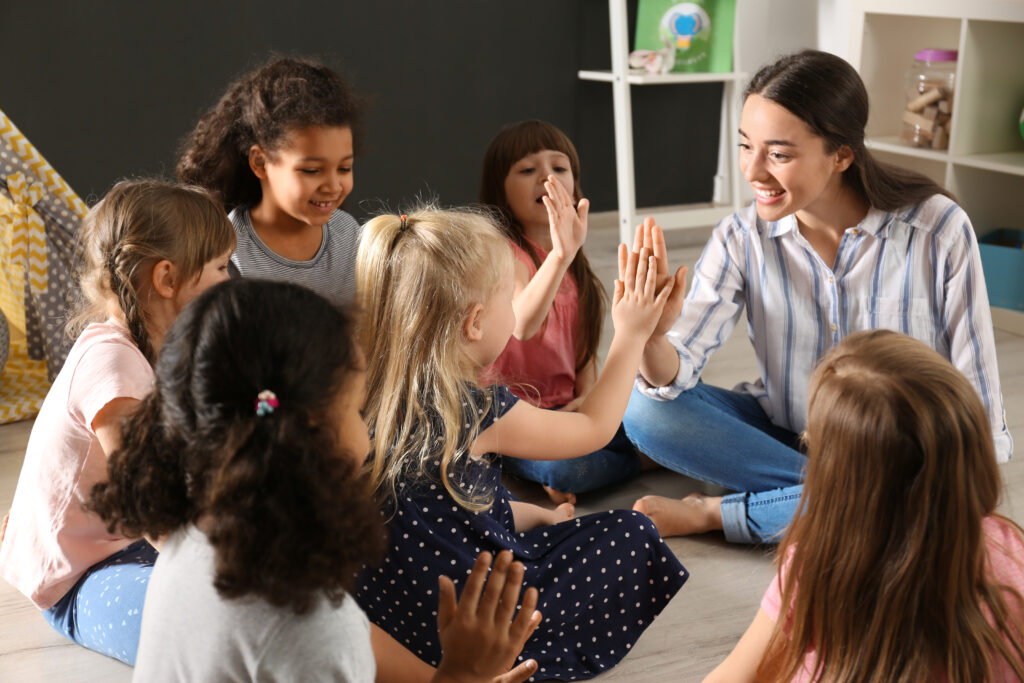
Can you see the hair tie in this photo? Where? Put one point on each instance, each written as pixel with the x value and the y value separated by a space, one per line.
pixel 266 402
pixel 405 223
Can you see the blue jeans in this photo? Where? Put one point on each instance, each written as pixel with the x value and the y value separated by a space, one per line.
pixel 103 610
pixel 724 437
pixel 614 463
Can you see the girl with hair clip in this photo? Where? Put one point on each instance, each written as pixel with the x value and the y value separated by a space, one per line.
pixel 897 566
pixel 277 150
pixel 436 289
pixel 531 174
pixel 835 242
pixel 246 460
pixel 149 248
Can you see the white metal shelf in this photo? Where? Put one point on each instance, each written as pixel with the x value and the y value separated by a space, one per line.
pixel 726 194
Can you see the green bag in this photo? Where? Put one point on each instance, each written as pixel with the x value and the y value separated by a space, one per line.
pixel 701 32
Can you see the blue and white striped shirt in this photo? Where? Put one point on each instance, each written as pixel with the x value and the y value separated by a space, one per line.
pixel 916 271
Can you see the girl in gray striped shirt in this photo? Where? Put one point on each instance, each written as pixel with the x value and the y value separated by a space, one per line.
pixel 277 150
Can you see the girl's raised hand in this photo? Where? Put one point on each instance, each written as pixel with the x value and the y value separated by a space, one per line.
pixel 568 223
pixel 649 235
pixel 638 304
pixel 480 639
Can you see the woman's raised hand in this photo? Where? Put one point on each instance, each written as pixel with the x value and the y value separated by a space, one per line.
pixel 650 236
pixel 482 635
pixel 568 223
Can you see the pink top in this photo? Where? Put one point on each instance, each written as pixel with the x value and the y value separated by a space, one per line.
pixel 1005 555
pixel 544 364
pixel 50 539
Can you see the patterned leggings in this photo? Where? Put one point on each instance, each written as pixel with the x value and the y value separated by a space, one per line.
pixel 103 611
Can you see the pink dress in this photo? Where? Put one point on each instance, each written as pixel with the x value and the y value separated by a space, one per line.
pixel 51 540
pixel 542 369
pixel 1005 565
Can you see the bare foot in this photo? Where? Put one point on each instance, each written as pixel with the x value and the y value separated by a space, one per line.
pixel 694 514
pixel 559 497
pixel 563 512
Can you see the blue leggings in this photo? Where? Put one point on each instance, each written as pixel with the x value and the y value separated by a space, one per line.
pixel 103 610
pixel 616 462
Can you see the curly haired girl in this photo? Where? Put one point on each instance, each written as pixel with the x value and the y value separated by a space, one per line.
pixel 278 150
pixel 246 458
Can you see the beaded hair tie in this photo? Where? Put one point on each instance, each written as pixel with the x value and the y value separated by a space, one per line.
pixel 266 402
pixel 405 223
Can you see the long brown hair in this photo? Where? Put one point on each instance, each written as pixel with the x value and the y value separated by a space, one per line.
pixel 138 223
pixel 884 567
pixel 827 94
pixel 512 143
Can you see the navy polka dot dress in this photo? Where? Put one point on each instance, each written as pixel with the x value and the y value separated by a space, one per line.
pixel 602 578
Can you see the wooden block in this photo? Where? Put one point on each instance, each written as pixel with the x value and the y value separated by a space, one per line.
pixel 925 124
pixel 922 101
pixel 945 106
pixel 930 112
pixel 941 139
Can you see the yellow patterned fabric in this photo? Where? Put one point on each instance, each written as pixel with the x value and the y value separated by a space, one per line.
pixel 39 215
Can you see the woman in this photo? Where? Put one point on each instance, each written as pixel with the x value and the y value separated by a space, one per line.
pixel 834 243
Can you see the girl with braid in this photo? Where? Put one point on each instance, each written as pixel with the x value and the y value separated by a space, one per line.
pixel 149 248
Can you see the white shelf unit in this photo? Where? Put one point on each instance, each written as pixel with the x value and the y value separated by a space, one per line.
pixel 726 194
pixel 984 165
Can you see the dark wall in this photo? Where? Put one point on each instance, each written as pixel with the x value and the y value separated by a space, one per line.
pixel 108 89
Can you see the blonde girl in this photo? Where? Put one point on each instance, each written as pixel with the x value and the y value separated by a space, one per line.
pixel 897 566
pixel 436 290
pixel 531 174
pixel 149 248
pixel 278 150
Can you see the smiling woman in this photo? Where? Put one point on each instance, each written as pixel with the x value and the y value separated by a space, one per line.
pixel 278 150
pixel 835 242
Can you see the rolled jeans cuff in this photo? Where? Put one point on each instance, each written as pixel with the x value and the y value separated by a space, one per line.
pixel 734 519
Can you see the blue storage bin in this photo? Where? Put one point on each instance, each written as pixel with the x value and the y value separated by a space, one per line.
pixel 1002 257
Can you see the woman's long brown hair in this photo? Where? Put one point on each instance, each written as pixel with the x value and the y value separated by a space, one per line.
pixel 884 567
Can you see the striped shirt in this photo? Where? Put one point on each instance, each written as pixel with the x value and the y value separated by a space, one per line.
pixel 916 270
pixel 331 272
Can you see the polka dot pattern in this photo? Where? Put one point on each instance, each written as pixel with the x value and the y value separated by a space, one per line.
pixel 602 578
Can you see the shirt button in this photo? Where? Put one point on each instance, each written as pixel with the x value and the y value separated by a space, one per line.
pixel 855 231
pixel 834 328
pixel 831 279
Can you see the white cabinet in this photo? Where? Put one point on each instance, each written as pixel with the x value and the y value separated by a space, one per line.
pixel 984 165
pixel 726 196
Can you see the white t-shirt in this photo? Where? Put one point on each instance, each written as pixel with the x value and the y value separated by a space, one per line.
pixel 191 633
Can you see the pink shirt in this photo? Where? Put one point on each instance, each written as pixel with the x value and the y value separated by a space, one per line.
pixel 542 369
pixel 51 539
pixel 1005 556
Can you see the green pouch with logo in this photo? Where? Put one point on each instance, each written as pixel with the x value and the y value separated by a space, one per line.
pixel 701 32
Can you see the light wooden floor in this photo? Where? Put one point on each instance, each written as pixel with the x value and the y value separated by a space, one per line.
pixel 694 633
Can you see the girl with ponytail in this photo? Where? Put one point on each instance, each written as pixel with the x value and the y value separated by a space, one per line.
pixel 246 459
pixel 149 248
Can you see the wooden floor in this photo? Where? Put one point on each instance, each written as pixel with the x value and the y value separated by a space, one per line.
pixel 694 633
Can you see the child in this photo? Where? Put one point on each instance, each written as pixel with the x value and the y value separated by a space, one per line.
pixel 247 454
pixel 149 248
pixel 897 566
pixel 532 175
pixel 436 291
pixel 278 149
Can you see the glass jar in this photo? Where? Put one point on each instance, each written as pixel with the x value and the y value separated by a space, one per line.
pixel 928 111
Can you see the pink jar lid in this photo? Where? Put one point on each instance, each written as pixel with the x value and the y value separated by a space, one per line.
pixel 933 55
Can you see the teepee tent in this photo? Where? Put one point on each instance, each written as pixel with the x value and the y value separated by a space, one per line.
pixel 39 219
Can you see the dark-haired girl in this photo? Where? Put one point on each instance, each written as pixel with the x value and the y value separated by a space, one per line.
pixel 278 150
pixel 246 459
pixel 835 242
pixel 149 248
